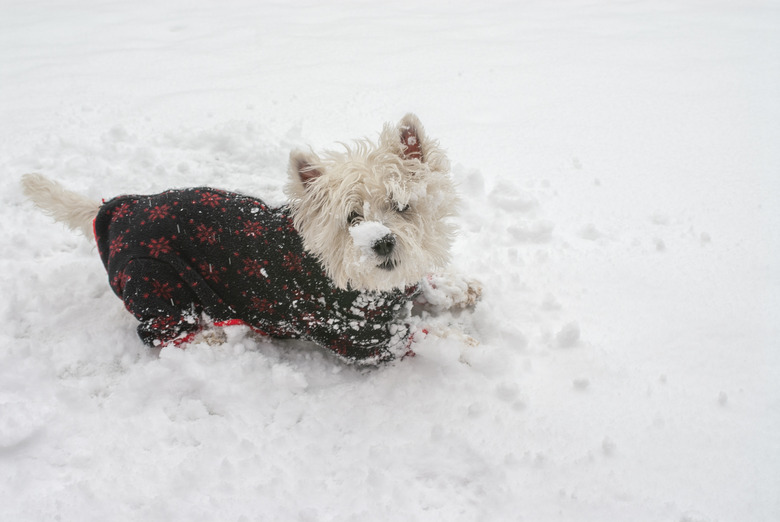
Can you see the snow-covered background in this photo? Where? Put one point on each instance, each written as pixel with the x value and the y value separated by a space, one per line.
pixel 620 169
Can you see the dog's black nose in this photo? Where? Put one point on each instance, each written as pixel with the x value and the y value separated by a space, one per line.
pixel 385 245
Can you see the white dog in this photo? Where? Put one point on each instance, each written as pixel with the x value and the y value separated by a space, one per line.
pixel 340 265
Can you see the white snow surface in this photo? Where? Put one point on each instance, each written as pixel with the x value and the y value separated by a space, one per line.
pixel 620 174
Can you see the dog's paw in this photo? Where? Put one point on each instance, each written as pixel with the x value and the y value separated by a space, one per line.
pixel 211 336
pixel 449 332
pixel 473 292
pixel 449 290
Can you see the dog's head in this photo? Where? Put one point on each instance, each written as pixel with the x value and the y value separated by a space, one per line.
pixel 375 215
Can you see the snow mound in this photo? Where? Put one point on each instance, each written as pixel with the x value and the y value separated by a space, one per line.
pixel 617 167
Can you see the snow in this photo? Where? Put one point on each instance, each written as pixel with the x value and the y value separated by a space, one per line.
pixel 366 234
pixel 618 166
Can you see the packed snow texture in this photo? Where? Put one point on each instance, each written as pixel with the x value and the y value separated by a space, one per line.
pixel 620 175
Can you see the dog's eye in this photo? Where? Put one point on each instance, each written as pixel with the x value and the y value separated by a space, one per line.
pixel 402 208
pixel 354 218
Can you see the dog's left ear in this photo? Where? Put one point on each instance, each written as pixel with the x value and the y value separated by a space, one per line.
pixel 301 167
pixel 412 136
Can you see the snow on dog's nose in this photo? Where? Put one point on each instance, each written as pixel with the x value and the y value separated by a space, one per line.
pixel 373 239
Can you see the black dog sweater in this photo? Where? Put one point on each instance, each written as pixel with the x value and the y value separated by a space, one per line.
pixel 175 255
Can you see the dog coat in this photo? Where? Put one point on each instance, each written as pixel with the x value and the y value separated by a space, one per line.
pixel 174 255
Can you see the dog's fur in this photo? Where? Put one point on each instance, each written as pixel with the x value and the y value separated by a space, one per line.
pixel 77 212
pixel 375 215
pixel 404 186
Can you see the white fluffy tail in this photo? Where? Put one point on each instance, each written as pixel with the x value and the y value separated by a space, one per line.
pixel 73 209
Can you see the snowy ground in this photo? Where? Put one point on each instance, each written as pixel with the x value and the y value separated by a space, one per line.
pixel 620 169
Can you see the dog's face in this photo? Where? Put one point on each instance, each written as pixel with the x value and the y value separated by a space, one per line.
pixel 376 215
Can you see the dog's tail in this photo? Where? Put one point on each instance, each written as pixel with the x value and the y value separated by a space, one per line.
pixel 75 210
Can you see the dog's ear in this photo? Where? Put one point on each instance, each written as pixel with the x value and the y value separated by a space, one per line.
pixel 412 135
pixel 301 167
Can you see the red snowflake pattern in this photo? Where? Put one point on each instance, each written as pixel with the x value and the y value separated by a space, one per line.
pixel 253 229
pixel 210 199
pixel 292 262
pixel 210 272
pixel 205 234
pixel 119 281
pixel 254 268
pixel 121 211
pixel 116 245
pixel 158 212
pixel 162 289
pixel 160 246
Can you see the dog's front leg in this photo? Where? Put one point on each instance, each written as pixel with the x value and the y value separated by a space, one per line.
pixel 449 290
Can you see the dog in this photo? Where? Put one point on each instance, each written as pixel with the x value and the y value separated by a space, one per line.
pixel 341 264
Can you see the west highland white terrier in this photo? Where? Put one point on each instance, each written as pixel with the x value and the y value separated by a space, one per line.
pixel 340 265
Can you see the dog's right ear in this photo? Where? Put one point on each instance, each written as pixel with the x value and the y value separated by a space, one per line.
pixel 301 167
pixel 411 134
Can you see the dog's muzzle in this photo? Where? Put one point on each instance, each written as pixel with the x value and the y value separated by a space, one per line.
pixel 383 248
